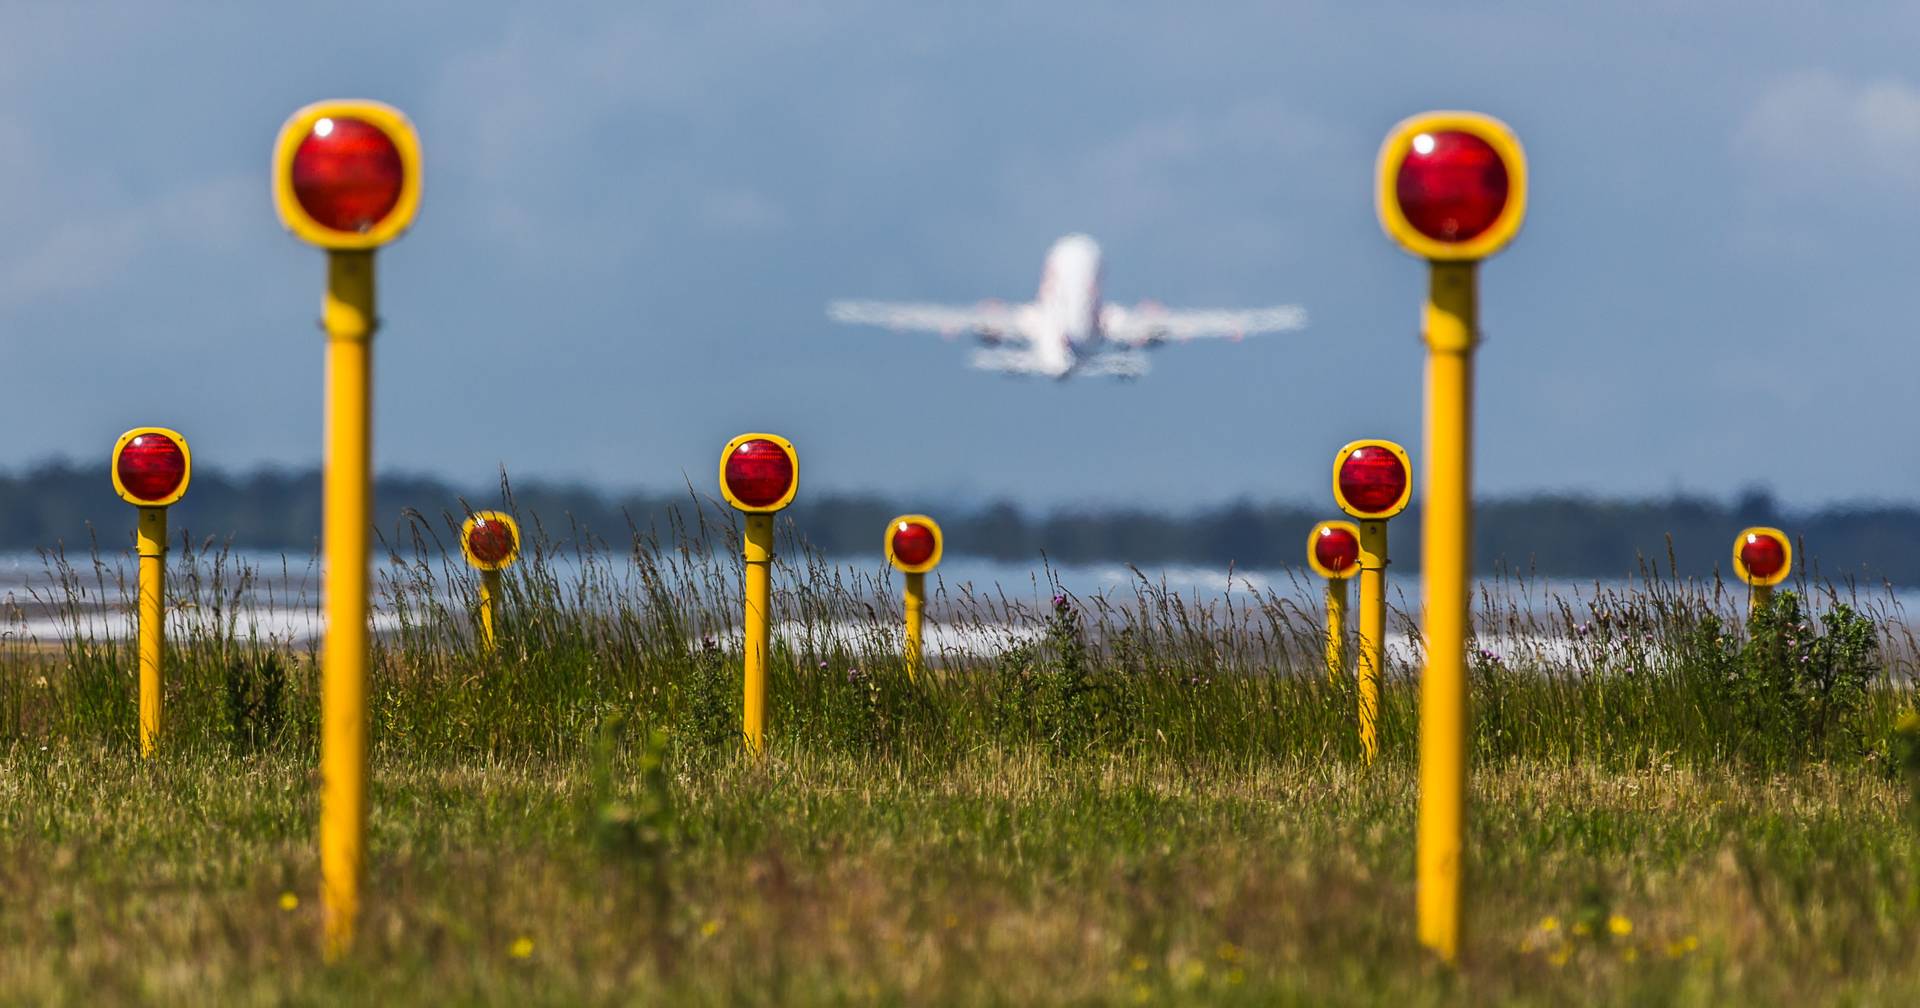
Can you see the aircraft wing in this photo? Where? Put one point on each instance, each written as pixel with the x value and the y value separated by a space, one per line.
pixel 1149 324
pixel 992 322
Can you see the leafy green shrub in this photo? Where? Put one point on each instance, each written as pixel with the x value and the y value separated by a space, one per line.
pixel 869 709
pixel 1050 691
pixel 256 689
pixel 1499 695
pixel 1791 692
pixel 708 705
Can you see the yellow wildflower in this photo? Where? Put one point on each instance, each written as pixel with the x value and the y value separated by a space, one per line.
pixel 288 901
pixel 1549 923
pixel 521 948
pixel 1676 949
pixel 1582 928
pixel 1619 926
pixel 709 929
pixel 1138 963
pixel 1229 952
pixel 1560 955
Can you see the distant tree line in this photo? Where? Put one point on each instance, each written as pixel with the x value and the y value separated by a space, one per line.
pixel 61 503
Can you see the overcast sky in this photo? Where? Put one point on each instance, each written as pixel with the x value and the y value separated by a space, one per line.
pixel 633 220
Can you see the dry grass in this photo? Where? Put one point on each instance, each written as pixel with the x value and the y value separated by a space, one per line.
pixel 1004 878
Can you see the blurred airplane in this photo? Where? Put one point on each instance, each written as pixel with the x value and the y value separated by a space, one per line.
pixel 1067 330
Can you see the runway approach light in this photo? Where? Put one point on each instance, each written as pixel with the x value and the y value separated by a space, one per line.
pixel 759 474
pixel 1451 188
pixel 1372 482
pixel 151 467
pixel 914 546
pixel 346 177
pixel 491 541
pixel 1370 479
pixel 1762 557
pixel 1333 551
pixel 347 174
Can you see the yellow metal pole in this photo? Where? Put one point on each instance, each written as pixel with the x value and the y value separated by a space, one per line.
pixel 915 604
pixel 152 547
pixel 489 607
pixel 1373 632
pixel 348 318
pixel 1336 629
pixel 758 553
pixel 1447 545
pixel 1758 597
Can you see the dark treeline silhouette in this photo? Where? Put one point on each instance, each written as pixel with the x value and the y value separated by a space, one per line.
pixel 1562 536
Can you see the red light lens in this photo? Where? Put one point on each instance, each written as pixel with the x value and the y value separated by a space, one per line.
pixel 1452 185
pixel 759 473
pixel 1336 549
pixel 1764 556
pixel 1372 479
pixel 151 467
pixel 490 541
pixel 912 543
pixel 347 174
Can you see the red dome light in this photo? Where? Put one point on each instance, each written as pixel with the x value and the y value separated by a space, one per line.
pixel 1336 549
pixel 759 473
pixel 491 541
pixel 1452 185
pixel 1372 479
pixel 347 174
pixel 151 466
pixel 912 543
pixel 1763 554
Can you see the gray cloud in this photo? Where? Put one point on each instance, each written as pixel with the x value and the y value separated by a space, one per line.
pixel 1817 132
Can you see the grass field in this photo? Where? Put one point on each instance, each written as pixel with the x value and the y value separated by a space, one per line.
pixel 1150 800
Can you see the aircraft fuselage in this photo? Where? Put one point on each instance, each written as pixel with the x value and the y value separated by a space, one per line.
pixel 1068 305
